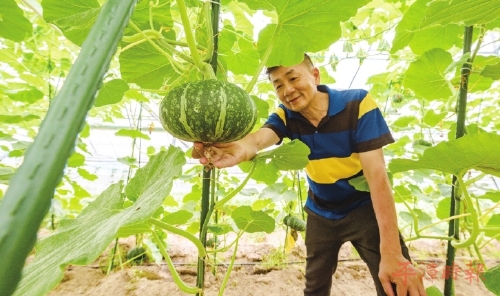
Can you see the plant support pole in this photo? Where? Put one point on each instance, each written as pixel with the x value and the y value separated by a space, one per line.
pixel 453 229
pixel 208 174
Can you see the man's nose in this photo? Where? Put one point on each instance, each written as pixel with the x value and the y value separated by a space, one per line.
pixel 288 89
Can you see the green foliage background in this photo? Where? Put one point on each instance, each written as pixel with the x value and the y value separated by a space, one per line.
pixel 420 42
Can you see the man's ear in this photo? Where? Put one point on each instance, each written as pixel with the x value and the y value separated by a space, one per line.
pixel 316 74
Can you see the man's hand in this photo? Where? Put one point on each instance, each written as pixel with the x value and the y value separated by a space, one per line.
pixel 220 155
pixel 223 155
pixel 400 271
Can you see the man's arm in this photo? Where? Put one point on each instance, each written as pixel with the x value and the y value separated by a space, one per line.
pixel 392 260
pixel 230 154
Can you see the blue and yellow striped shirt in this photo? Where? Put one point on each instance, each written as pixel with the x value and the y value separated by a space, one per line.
pixel 353 124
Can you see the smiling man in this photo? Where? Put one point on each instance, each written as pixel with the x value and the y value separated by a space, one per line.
pixel 345 132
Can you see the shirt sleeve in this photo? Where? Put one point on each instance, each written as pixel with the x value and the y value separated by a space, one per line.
pixel 277 122
pixel 372 131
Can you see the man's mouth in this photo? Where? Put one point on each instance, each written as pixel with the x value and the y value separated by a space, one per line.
pixel 292 100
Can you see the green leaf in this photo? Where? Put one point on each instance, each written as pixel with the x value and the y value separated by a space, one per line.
pixel 135 229
pixel 163 167
pixel 463 12
pixel 76 160
pixel 262 107
pixel 111 92
pixel 13 24
pixel 302 26
pixel 132 133
pixel 145 66
pixel 426 76
pixel 28 95
pixel 491 279
pixel 219 229
pixel 477 81
pixel 194 195
pixel 477 151
pixel 87 175
pixel 177 218
pixel 433 291
pixel 492 71
pixel 443 208
pixel 404 121
pixel 278 192
pixel 431 118
pixel 409 32
pixel 252 221
pixel 238 51
pixel 17 118
pixel 289 156
pixel 494 221
pixel 5 174
pixel 161 16
pixel 127 160
pixel 82 240
pixel 494 196
pixel 74 18
pixel 360 183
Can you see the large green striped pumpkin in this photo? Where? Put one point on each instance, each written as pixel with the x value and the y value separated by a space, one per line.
pixel 209 111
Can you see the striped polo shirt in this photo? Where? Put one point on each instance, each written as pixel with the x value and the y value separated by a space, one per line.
pixel 353 124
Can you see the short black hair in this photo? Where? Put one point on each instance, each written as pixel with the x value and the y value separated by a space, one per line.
pixel 307 60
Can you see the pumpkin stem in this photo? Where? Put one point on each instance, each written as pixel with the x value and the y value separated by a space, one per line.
pixel 208 152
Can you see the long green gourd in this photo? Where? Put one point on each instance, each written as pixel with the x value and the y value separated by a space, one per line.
pixel 31 189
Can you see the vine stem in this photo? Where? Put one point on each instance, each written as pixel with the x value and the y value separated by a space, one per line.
pixel 233 193
pixel 473 217
pixel 202 66
pixel 453 229
pixel 201 250
pixel 175 275
pixel 260 67
pixel 228 272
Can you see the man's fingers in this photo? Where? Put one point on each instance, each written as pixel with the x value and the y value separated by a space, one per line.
pixel 402 289
pixel 386 284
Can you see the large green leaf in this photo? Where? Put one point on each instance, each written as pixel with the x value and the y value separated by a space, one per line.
pixel 238 51
pixel 252 221
pixel 303 26
pixel 82 240
pixel 426 76
pixel 13 24
pixel 409 32
pixel 468 12
pixel 478 151
pixel 290 156
pixel 146 66
pixel 74 18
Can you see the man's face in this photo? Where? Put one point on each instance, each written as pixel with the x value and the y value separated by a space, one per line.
pixel 295 85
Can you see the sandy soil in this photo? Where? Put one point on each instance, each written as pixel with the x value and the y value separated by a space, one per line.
pixel 259 270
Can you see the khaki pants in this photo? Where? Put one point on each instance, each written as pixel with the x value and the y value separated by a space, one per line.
pixel 324 237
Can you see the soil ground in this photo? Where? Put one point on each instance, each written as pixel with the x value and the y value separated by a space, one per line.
pixel 260 269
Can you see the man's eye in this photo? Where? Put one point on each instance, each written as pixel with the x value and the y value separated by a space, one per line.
pixel 278 87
